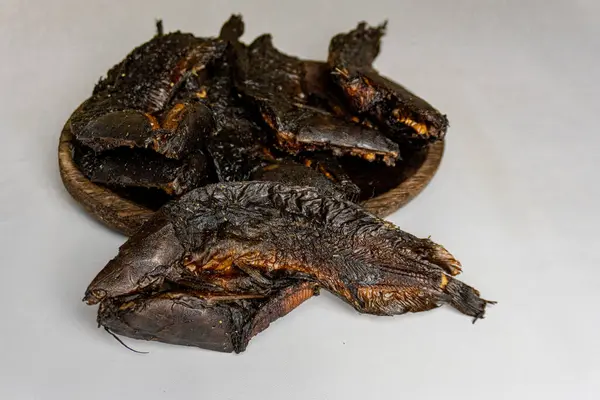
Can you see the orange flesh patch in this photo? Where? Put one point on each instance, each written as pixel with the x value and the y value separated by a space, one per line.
pixel 191 267
pixel 171 187
pixel 221 263
pixel 201 94
pixel 326 173
pixel 264 262
pixel 407 298
pixel 420 128
pixel 444 282
pixel 261 261
pixel 297 298
pixel 269 121
pixel 153 121
pixel 127 305
pixel 291 298
pixel 270 167
pixel 188 263
pixel 452 264
pixel 371 156
pixel 387 293
pixel 286 139
pixel 174 117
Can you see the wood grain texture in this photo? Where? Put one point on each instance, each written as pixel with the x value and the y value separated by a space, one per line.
pixel 127 217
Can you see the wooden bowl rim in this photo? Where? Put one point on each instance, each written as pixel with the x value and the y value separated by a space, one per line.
pixel 127 217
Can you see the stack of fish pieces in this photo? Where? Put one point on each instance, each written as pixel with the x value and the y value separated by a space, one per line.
pixel 258 214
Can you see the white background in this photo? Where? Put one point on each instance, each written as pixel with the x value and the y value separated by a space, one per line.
pixel 516 200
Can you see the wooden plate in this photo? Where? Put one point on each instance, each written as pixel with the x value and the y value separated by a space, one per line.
pixel 127 217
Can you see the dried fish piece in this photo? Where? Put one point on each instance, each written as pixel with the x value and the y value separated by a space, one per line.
pixel 324 94
pixel 401 113
pixel 171 304
pixel 127 108
pixel 275 83
pixel 219 322
pixel 334 171
pixel 275 232
pixel 235 154
pixel 142 169
pixel 153 260
pixel 292 173
pixel 238 145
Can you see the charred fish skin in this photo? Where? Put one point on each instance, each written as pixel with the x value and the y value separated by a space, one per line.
pixel 272 231
pixel 143 126
pixel 332 169
pixel 142 263
pixel 132 106
pixel 177 318
pixel 224 323
pixel 293 173
pixel 147 293
pixel 276 85
pixel 370 263
pixel 238 145
pixel 399 112
pixel 142 168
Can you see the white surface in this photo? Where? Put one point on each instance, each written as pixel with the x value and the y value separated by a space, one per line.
pixel 516 200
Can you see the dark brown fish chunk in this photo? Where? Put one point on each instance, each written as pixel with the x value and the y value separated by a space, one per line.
pixel 276 85
pixel 218 322
pixel 236 154
pixel 142 169
pixel 332 169
pixel 292 173
pixel 238 145
pixel 153 260
pixel 322 93
pixel 272 232
pixel 151 291
pixel 129 107
pixel 401 113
